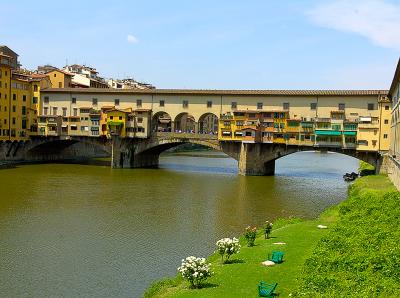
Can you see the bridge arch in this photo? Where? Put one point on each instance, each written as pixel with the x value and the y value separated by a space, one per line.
pixel 208 124
pixel 185 123
pixel 161 122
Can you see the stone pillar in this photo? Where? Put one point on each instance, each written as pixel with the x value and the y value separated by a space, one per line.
pixel 254 162
pixel 122 155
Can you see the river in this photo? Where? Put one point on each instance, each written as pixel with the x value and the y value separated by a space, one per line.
pixel 85 230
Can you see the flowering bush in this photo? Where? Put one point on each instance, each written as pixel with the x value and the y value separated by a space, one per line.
pixel 250 235
pixel 195 270
pixel 227 247
pixel 268 229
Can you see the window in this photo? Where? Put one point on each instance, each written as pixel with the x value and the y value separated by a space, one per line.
pixel 23 110
pixel 23 97
pixel 59 84
pixel 14 96
pixel 162 103
pixel 233 105
pixel 120 117
pixel 209 104
pixel 35 88
pixel 73 100
pixel 185 104
pixel 313 106
pixel 13 120
pixel 55 75
pixel 111 117
pixel 259 106
pixel 54 111
pixel 139 103
pixel 286 106
pixel 387 108
pixel 23 124
pixel 94 101
pixel 342 106
pixel 386 121
pixel 75 112
pixel 34 100
pixel 64 112
pixel 140 120
pixel 116 102
pixel 370 106
pixel 385 136
pixel 46 99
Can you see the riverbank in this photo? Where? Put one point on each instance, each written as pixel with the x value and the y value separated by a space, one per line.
pixel 314 257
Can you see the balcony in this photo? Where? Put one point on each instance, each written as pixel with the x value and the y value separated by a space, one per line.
pixel 368 125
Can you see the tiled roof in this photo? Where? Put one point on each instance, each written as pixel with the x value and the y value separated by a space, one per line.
pixel 221 92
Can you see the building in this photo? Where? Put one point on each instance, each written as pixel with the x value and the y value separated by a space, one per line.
pixel 393 161
pixel 350 119
pixel 59 78
pixel 19 99
pixel 6 51
pixel 85 77
pixel 128 84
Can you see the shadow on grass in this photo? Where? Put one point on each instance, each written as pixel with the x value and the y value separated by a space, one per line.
pixel 234 261
pixel 208 285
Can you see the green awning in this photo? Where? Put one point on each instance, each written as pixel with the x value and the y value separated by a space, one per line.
pixel 350 133
pixel 114 123
pixel 328 133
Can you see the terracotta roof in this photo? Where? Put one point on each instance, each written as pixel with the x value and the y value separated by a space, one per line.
pixel 222 92
pixel 62 71
pixel 396 79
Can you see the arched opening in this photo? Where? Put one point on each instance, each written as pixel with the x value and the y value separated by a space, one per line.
pixel 184 123
pixel 161 122
pixel 208 124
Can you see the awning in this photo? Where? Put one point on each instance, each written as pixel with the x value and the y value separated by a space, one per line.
pixel 328 133
pixel 365 119
pixel 350 133
pixel 226 133
pixel 114 123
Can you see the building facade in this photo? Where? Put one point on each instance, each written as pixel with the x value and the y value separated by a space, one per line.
pixel 346 119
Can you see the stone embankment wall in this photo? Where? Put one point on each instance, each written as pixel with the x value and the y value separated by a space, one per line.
pixel 391 167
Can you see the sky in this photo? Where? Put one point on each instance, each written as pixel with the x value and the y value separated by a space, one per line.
pixel 265 44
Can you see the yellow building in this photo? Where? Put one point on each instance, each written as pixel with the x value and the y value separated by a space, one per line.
pixel 116 122
pixel 6 63
pixel 60 78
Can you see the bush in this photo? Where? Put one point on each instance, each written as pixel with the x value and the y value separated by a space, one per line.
pixel 250 235
pixel 268 229
pixel 195 270
pixel 227 247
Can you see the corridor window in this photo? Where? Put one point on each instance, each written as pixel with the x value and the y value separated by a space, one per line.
pixel 342 106
pixel 116 102
pixel 209 104
pixel 233 105
pixel 162 103
pixel 370 106
pixel 185 104
pixel 94 101
pixel 286 106
pixel 73 100
pixel 139 103
pixel 313 106
pixel 259 106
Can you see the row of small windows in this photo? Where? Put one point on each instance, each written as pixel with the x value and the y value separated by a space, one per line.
pixel 185 104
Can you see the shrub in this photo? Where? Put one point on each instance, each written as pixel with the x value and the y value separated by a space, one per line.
pixel 227 247
pixel 195 270
pixel 268 229
pixel 250 235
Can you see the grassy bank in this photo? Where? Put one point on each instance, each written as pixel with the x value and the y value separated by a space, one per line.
pixel 307 250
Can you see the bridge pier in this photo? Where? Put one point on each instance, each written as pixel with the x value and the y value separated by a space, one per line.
pixel 255 160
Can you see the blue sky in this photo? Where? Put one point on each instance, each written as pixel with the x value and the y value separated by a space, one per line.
pixel 302 44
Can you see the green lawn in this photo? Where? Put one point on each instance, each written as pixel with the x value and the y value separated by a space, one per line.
pixel 305 251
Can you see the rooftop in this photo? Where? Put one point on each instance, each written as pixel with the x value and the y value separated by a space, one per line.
pixel 221 92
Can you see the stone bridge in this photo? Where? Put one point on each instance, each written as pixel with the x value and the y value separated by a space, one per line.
pixel 253 158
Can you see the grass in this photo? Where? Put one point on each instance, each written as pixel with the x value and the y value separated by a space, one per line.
pixel 366 169
pixel 306 252
pixel 360 257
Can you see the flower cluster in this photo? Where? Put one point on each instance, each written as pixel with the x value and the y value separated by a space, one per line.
pixel 268 229
pixel 250 235
pixel 195 270
pixel 227 247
